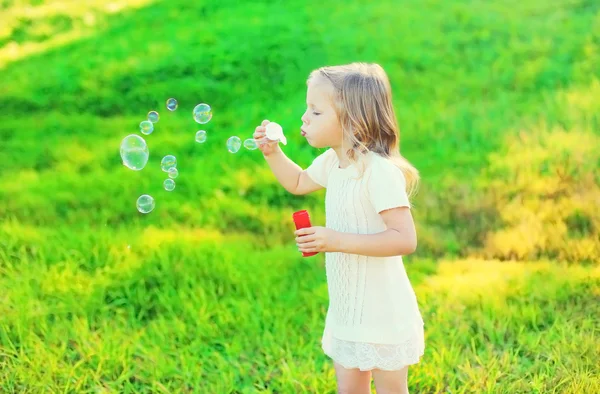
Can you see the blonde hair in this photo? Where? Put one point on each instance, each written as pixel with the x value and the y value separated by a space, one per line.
pixel 363 102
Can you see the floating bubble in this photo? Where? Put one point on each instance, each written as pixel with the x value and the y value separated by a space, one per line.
pixel 233 144
pixel 169 184
pixel 171 104
pixel 250 144
pixel 173 173
pixel 168 162
pixel 145 203
pixel 202 113
pixel 201 136
pixel 153 116
pixel 146 127
pixel 134 152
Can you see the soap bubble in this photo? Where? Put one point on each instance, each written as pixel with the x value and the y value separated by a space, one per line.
pixel 169 184
pixel 146 127
pixel 153 116
pixel 202 113
pixel 201 136
pixel 173 173
pixel 145 203
pixel 168 162
pixel 233 144
pixel 250 144
pixel 171 104
pixel 134 152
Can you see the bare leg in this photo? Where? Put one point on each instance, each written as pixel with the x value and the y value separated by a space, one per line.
pixel 352 381
pixel 391 382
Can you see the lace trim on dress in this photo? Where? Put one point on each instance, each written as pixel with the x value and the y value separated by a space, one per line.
pixel 368 356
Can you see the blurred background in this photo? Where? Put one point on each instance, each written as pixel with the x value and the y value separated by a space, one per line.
pixel 499 108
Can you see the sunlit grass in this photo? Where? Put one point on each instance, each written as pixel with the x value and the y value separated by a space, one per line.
pixel 29 30
pixel 168 321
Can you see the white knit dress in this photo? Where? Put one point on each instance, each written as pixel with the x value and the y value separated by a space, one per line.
pixel 373 320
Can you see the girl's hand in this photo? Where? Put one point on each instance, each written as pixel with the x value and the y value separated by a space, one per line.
pixel 265 145
pixel 318 239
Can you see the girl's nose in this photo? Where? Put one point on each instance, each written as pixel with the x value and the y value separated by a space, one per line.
pixel 304 118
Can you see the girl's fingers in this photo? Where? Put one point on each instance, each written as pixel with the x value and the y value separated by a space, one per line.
pixel 258 135
pixel 308 247
pixel 261 141
pixel 304 240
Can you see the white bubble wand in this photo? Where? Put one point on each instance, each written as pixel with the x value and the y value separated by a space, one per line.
pixel 274 132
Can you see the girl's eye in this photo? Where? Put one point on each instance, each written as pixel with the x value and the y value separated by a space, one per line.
pixel 316 113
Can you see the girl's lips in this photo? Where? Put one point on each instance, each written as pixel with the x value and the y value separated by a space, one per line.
pixel 303 133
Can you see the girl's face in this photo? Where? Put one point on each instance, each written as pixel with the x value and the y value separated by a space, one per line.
pixel 320 124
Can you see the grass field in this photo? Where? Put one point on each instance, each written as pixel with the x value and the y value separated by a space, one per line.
pixel 499 106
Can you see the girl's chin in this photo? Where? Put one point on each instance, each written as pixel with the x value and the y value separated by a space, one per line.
pixel 315 144
pixel 312 143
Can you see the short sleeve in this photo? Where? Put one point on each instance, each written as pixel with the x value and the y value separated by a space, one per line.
pixel 387 186
pixel 321 167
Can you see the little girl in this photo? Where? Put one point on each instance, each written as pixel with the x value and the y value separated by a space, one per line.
pixel 373 326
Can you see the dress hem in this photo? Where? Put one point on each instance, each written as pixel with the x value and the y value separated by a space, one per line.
pixel 367 356
pixel 372 367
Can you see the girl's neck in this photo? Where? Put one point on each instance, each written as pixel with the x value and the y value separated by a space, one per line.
pixel 343 159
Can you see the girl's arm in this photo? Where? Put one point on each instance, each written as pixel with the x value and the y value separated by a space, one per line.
pixel 399 239
pixel 289 174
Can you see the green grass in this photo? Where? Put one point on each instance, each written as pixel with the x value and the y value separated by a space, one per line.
pixel 499 106
pixel 223 316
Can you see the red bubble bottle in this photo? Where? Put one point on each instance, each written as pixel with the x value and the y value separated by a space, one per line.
pixel 302 220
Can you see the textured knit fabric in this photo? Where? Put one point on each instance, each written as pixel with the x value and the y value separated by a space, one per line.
pixel 373 319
